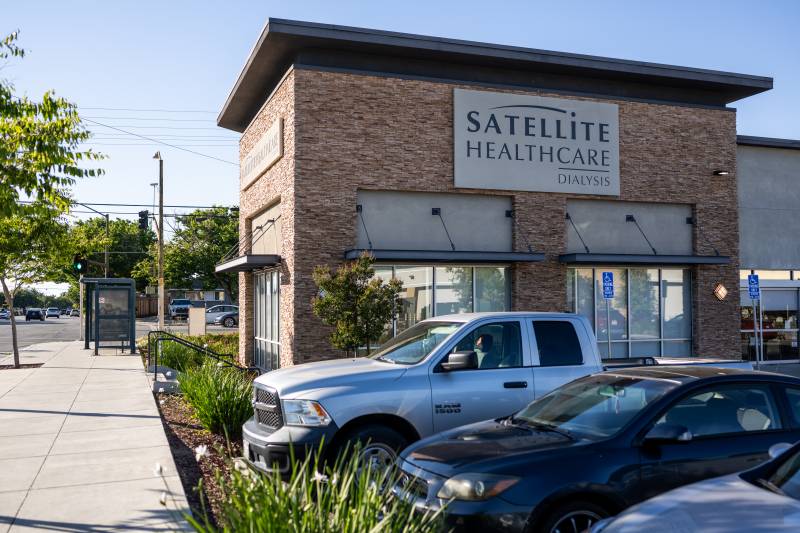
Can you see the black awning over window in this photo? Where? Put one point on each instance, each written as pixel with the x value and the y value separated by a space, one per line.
pixel 246 263
pixel 447 256
pixel 644 259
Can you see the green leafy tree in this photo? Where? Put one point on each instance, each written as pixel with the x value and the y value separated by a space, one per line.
pixel 26 297
pixel 127 243
pixel 201 239
pixel 355 303
pixel 29 250
pixel 39 145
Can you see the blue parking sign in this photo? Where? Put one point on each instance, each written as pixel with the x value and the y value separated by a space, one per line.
pixel 608 285
pixel 753 287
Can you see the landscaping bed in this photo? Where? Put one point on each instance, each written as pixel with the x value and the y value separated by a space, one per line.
pixel 185 434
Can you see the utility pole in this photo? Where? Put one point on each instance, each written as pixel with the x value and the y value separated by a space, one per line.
pixel 160 240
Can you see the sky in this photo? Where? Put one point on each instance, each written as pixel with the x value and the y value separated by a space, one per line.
pixel 163 69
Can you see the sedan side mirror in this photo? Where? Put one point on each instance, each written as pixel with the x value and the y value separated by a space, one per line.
pixel 666 433
pixel 776 449
pixel 467 360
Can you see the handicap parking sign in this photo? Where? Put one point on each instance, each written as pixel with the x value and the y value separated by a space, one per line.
pixel 608 285
pixel 753 287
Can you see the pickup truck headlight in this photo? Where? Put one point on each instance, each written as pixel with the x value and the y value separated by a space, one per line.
pixel 475 487
pixel 305 413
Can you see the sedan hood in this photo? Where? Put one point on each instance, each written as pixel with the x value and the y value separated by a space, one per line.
pixel 722 505
pixel 302 379
pixel 476 447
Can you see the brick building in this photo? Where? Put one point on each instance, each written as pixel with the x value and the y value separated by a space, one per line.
pixel 486 177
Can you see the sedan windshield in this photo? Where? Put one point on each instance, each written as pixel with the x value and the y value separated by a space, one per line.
pixel 596 406
pixel 414 344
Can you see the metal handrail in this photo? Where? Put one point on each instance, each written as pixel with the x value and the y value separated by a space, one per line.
pixel 156 337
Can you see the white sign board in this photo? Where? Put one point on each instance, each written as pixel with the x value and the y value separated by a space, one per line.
pixel 532 143
pixel 263 155
pixel 197 320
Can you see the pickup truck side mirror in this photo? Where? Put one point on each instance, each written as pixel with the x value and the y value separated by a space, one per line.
pixel 668 433
pixel 467 360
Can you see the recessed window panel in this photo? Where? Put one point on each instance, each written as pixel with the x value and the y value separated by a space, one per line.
pixel 453 290
pixel 416 298
pixel 617 310
pixel 644 304
pixel 492 289
pixel 677 303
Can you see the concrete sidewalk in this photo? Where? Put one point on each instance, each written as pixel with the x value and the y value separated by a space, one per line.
pixel 79 441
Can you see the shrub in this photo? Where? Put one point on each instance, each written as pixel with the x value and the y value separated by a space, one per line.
pixel 179 357
pixel 182 358
pixel 348 499
pixel 220 395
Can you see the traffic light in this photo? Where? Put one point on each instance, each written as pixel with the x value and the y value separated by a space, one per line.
pixel 143 216
pixel 79 264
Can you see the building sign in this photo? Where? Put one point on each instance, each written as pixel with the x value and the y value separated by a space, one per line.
pixel 608 285
pixel 263 155
pixel 532 143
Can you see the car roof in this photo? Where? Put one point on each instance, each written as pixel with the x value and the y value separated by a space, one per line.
pixel 690 373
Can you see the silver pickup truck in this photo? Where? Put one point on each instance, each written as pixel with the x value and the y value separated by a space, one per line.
pixel 441 373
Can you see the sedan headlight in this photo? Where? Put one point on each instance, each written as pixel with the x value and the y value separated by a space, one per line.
pixel 305 413
pixel 475 487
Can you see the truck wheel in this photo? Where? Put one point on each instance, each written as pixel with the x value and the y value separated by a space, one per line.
pixel 229 322
pixel 378 445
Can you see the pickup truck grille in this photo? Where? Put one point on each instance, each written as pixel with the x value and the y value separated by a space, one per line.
pixel 267 407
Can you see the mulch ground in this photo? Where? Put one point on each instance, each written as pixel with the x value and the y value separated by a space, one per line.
pixel 184 434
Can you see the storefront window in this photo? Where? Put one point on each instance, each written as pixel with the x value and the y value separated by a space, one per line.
pixel 434 291
pixel 453 290
pixel 778 318
pixel 492 289
pixel 650 314
pixel 416 299
pixel 266 338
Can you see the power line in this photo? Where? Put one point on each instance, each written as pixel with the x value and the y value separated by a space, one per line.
pixel 153 118
pixel 153 127
pixel 148 110
pixel 157 143
pixel 144 205
pixel 165 144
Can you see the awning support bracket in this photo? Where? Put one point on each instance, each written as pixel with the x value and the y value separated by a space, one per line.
pixel 578 233
pixel 631 218
pixel 359 210
pixel 437 211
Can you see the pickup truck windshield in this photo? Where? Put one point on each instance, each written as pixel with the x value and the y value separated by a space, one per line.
pixel 414 344
pixel 596 406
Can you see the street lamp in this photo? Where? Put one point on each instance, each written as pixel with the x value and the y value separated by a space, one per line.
pixel 160 240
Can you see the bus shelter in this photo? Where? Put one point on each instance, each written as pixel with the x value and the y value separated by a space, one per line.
pixel 109 313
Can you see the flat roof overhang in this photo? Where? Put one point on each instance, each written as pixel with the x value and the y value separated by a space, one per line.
pixel 247 263
pixel 447 256
pixel 643 259
pixel 767 142
pixel 283 43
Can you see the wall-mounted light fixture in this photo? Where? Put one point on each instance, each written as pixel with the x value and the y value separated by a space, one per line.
pixel 721 173
pixel 720 291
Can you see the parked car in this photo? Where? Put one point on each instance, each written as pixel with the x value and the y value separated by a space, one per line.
pixel 600 444
pixel 5 314
pixel 179 307
pixel 74 312
pixel 229 320
pixel 34 313
pixel 765 498
pixel 213 313
pixel 52 311
pixel 438 374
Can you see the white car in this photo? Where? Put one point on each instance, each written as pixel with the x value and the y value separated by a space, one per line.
pixel 52 311
pixel 212 313
pixel 763 499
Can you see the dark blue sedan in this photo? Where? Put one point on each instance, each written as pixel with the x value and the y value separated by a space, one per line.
pixel 600 444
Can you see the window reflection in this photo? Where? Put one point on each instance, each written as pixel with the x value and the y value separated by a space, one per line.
pixel 416 297
pixel 453 290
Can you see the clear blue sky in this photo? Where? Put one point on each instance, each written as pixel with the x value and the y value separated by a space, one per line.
pixel 185 55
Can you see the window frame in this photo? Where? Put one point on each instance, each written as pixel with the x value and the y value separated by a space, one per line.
pixel 451 345
pixel 780 409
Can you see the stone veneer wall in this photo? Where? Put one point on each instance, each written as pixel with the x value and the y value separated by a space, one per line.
pixel 356 131
pixel 276 185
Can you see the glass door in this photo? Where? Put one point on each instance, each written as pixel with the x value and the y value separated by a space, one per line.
pixel 266 309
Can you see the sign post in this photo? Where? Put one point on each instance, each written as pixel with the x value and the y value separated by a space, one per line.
pixel 608 294
pixel 754 289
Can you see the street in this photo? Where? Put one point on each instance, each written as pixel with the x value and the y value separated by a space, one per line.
pixel 68 329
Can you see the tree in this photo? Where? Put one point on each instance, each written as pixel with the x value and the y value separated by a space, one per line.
pixel 29 250
pixel 127 243
pixel 355 303
pixel 201 239
pixel 26 297
pixel 39 145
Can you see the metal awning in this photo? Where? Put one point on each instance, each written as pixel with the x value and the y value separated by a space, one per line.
pixel 448 256
pixel 644 259
pixel 246 263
